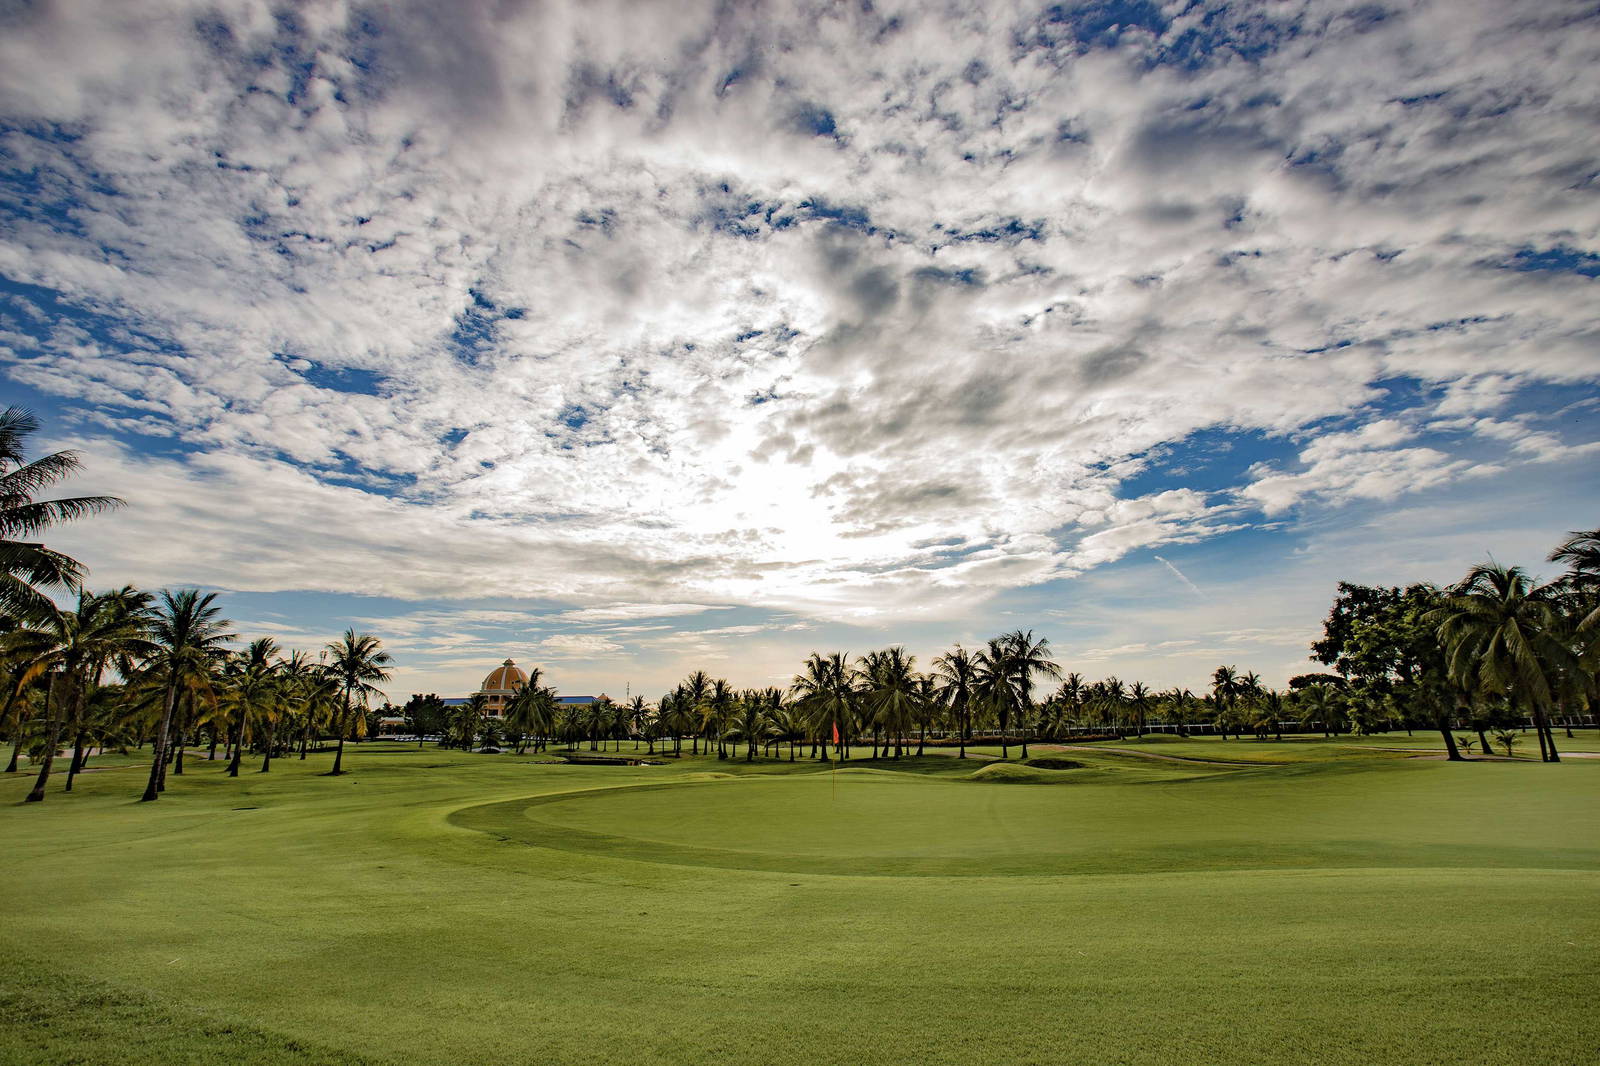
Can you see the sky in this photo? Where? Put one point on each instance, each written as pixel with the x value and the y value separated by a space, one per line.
pixel 627 339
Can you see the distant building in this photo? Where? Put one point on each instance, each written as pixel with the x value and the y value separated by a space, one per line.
pixel 498 688
pixel 503 682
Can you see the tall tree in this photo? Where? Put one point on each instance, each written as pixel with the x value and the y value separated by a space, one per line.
pixel 188 634
pixel 956 683
pixel 253 677
pixel 824 690
pixel 1505 635
pixel 890 692
pixel 27 567
pixel 1028 656
pixel 995 693
pixel 356 660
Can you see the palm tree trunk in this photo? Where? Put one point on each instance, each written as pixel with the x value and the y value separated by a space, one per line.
pixel 272 731
pixel 1450 741
pixel 238 746
pixel 338 756
pixel 51 739
pixel 5 716
pixel 1542 721
pixel 77 759
pixel 152 790
pixel 1483 743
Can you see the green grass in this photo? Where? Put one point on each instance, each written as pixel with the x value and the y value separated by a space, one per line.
pixel 1323 901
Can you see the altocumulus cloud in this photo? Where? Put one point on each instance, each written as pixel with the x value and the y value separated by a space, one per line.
pixel 839 309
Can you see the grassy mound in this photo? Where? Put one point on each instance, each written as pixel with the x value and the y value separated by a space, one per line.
pixel 1010 773
pixel 1051 763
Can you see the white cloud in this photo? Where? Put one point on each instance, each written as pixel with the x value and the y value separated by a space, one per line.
pixel 577 646
pixel 863 314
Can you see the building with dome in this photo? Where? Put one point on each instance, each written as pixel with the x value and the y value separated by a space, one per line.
pixel 498 688
pixel 503 682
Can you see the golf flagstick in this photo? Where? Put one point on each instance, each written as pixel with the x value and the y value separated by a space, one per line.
pixel 834 776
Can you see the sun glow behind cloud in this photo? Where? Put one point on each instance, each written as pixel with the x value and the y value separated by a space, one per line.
pixel 867 313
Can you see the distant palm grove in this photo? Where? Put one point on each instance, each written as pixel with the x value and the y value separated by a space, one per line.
pixel 1482 662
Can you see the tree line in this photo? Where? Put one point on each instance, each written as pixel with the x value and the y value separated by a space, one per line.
pixel 1486 655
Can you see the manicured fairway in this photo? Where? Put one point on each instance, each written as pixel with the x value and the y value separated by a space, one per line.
pixel 1325 903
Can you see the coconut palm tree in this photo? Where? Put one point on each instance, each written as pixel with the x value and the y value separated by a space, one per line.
pixel 716 712
pixel 890 693
pixel 1027 657
pixel 598 720
pixel 1069 697
pixel 24 658
pixel 26 566
pixel 1110 700
pixel 994 691
pixel 1504 634
pixel 532 711
pixel 188 633
pixel 253 674
pixel 1323 702
pixel 469 718
pixel 1140 700
pixel 824 691
pixel 638 722
pixel 1581 553
pixel 76 645
pixel 122 619
pixel 956 685
pixel 356 661
pixel 1226 689
pixel 297 679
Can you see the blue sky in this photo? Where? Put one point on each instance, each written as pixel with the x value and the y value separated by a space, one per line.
pixel 632 339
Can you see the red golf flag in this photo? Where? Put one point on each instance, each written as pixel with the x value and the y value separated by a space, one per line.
pixel 836 734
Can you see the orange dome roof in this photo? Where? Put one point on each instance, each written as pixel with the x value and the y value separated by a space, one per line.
pixel 505 678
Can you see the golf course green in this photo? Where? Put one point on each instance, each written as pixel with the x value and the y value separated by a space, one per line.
pixel 1159 902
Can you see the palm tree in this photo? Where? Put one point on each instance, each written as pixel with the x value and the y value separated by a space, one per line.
pixel 994 689
pixel 532 711
pixel 1027 657
pixel 119 621
pixel 1140 700
pixel 1322 701
pixel 598 720
pixel 826 695
pixel 1226 689
pixel 1581 553
pixel 357 661
pixel 639 721
pixel 716 712
pixel 469 719
pixel 24 658
pixel 1110 699
pixel 254 676
pixel 890 692
pixel 1504 634
pixel 298 677
pixel 188 633
pixel 956 684
pixel 692 693
pixel 1070 697
pixel 27 566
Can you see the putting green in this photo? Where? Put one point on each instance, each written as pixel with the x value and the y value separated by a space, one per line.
pixel 887 824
